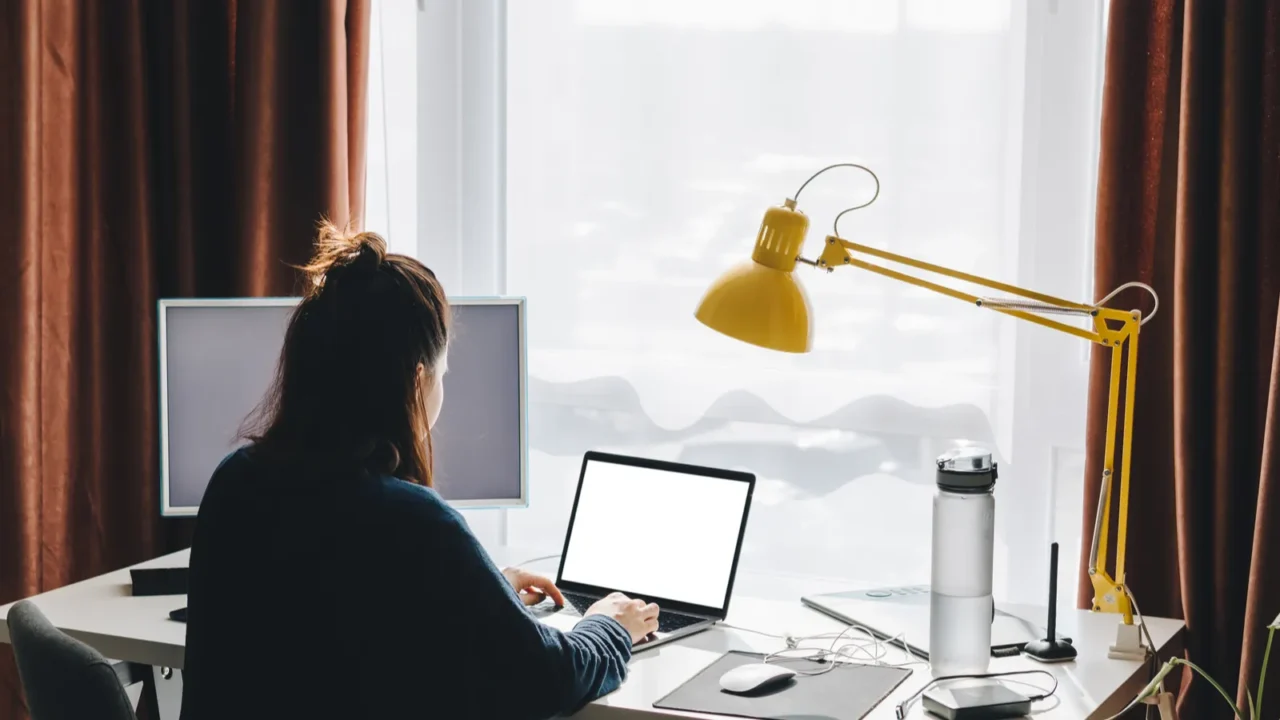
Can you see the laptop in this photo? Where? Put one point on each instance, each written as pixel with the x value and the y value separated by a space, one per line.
pixel 659 531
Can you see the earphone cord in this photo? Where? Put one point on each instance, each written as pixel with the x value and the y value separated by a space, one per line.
pixel 834 650
pixel 822 655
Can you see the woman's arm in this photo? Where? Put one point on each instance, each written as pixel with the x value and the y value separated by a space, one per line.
pixel 535 671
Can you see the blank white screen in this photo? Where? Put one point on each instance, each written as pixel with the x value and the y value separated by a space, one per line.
pixel 655 533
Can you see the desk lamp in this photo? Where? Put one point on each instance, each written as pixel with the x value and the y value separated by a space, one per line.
pixel 763 303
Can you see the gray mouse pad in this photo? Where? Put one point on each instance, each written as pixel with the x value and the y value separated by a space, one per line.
pixel 848 692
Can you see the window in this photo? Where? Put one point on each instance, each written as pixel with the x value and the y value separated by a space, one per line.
pixel 609 158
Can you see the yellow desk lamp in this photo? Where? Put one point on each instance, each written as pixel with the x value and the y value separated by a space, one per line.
pixel 761 302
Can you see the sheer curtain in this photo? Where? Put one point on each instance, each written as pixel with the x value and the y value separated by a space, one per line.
pixel 640 142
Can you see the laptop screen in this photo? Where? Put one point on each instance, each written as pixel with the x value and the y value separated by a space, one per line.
pixel 656 533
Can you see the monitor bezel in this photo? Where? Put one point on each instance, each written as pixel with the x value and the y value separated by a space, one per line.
pixel 718 613
pixel 168 510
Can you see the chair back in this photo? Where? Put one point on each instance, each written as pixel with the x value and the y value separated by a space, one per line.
pixel 63 678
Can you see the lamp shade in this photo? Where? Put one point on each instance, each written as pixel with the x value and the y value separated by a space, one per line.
pixel 761 301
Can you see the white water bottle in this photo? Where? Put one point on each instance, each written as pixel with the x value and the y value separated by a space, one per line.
pixel 960 604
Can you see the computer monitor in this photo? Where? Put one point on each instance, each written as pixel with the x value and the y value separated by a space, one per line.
pixel 218 357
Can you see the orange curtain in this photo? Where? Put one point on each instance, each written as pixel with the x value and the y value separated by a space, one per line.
pixel 1189 201
pixel 147 150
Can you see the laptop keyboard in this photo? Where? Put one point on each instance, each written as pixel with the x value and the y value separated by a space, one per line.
pixel 667 621
pixel 671 621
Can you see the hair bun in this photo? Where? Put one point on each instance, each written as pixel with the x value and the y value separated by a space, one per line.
pixel 337 250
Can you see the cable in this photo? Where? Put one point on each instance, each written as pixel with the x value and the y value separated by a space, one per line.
pixel 1142 620
pixel 833 652
pixel 1146 691
pixel 1155 309
pixel 1049 309
pixel 1151 644
pixel 869 650
pixel 1159 671
pixel 903 707
pixel 835 226
pixel 1032 305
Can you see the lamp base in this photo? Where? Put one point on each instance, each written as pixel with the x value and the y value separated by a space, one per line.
pixel 1050 651
pixel 1128 644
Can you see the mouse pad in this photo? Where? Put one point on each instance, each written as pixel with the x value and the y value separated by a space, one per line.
pixel 847 693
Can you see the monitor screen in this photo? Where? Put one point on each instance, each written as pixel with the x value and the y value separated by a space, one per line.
pixel 218 357
pixel 689 557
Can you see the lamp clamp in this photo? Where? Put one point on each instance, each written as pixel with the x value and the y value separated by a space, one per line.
pixel 834 254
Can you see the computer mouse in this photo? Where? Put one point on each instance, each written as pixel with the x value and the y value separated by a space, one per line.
pixel 754 677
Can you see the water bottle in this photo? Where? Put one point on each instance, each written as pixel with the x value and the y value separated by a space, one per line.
pixel 960 605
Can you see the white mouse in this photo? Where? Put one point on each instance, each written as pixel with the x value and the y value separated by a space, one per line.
pixel 754 676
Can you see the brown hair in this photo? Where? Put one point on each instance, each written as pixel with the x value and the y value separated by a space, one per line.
pixel 347 394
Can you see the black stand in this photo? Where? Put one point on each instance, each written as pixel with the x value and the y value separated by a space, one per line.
pixel 1051 649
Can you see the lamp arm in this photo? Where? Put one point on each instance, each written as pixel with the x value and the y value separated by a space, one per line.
pixel 949 272
pixel 1116 329
pixel 839 251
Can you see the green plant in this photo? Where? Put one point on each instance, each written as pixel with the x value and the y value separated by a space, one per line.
pixel 1254 706
pixel 1156 686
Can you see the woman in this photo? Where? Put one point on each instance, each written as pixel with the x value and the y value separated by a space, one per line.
pixel 328 579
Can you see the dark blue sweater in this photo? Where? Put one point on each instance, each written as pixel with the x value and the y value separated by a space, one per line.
pixel 332 595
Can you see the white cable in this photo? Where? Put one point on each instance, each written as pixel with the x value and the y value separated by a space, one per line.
pixel 835 225
pixel 1142 621
pixel 1031 305
pixel 1156 298
pixel 903 707
pixel 795 643
pixel 1049 309
pixel 1143 694
pixel 832 654
pixel 1151 644
pixel 869 650
pixel 1158 676
pixel 1039 689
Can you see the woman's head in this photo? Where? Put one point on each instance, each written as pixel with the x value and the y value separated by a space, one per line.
pixel 360 377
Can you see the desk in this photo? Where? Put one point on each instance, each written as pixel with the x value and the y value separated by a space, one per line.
pixel 102 612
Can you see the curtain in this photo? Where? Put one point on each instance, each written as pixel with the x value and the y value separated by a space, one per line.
pixel 1189 201
pixel 147 150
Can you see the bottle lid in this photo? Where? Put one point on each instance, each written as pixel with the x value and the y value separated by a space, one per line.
pixel 966 470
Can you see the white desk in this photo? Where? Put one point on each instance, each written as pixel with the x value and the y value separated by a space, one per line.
pixel 102 612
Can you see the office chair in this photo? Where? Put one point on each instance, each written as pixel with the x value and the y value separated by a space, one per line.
pixel 63 678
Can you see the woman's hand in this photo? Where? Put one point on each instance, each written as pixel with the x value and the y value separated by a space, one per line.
pixel 533 588
pixel 636 616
